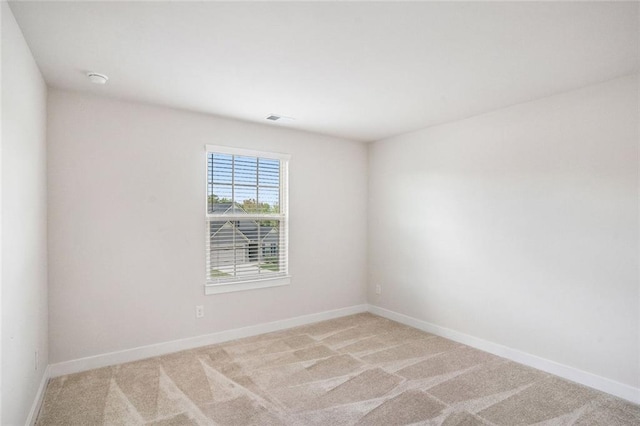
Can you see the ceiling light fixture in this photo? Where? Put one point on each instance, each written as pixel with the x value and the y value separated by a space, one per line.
pixel 96 78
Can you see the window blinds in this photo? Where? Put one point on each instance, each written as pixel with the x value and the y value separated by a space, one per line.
pixel 246 232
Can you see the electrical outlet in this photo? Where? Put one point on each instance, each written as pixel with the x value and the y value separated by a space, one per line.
pixel 378 289
pixel 36 360
pixel 199 311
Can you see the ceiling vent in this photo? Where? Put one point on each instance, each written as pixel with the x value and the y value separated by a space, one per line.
pixel 282 118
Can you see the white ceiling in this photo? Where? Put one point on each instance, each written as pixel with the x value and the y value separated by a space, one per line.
pixel 362 71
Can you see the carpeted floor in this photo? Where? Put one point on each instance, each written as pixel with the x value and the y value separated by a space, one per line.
pixel 356 370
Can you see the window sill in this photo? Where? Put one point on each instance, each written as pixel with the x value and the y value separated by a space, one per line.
pixel 246 285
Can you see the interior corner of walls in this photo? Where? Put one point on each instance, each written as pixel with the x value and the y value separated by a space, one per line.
pixel 509 206
pixel 39 398
pixel 24 187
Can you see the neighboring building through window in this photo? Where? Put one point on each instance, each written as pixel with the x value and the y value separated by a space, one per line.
pixel 246 219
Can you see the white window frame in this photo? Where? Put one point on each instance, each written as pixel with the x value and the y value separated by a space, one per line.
pixel 221 286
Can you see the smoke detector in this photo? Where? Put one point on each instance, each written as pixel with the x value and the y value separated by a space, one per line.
pixel 96 78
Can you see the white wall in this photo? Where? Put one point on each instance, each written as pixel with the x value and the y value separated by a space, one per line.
pixel 24 231
pixel 126 220
pixel 519 227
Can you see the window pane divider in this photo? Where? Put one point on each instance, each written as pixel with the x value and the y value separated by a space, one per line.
pixel 242 216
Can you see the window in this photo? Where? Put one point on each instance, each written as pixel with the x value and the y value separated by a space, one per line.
pixel 246 219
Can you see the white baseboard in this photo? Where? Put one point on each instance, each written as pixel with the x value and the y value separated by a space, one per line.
pixel 588 379
pixel 142 352
pixel 570 373
pixel 37 402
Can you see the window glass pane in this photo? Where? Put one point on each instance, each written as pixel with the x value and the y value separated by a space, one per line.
pixel 220 168
pixel 269 200
pixel 219 179
pixel 246 171
pixel 221 249
pixel 246 197
pixel 269 172
pixel 269 246
pixel 219 198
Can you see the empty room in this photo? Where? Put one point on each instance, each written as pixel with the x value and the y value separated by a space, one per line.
pixel 320 213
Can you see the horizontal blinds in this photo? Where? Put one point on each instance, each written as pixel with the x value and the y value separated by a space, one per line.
pixel 246 222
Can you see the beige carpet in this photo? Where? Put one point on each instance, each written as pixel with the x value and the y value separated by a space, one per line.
pixel 356 370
